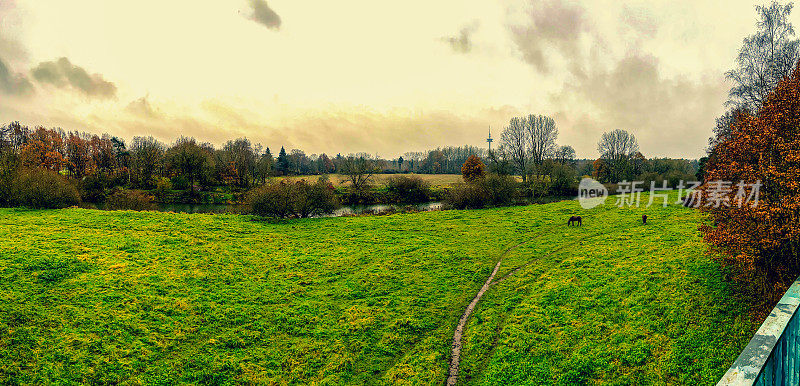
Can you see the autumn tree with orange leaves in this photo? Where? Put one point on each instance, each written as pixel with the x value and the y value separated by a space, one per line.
pixel 760 244
pixel 44 149
pixel 473 169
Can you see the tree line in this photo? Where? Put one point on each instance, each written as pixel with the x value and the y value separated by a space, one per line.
pixel 757 139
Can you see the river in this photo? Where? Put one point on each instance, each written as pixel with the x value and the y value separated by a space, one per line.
pixel 343 211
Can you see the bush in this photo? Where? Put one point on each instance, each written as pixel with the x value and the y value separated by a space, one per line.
pixel 408 189
pixel 563 181
pixel 125 199
pixel 293 199
pixel 271 200
pixel 494 190
pixel 163 188
pixel 466 196
pixel 313 199
pixel 535 187
pixel 180 183
pixel 93 189
pixel 500 189
pixel 39 188
pixel 9 166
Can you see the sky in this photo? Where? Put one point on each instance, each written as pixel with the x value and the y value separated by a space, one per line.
pixel 383 78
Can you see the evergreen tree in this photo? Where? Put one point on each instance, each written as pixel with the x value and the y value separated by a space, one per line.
pixel 283 162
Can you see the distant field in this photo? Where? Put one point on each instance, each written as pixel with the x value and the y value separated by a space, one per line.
pixel 105 297
pixel 380 179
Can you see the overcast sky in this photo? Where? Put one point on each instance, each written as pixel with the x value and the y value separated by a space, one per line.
pixel 378 77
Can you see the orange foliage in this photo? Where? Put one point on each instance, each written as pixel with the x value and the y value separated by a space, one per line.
pixel 45 149
pixel 473 169
pixel 600 170
pixel 79 159
pixel 761 244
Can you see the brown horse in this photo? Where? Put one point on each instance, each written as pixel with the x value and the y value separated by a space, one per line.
pixel 644 219
pixel 574 219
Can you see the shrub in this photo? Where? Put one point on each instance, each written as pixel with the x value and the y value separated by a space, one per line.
pixel 39 188
pixel 563 181
pixel 180 183
pixel 163 188
pixel 365 196
pixel 494 190
pixel 93 189
pixel 466 196
pixel 408 189
pixel 473 169
pixel 500 189
pixel 271 200
pixel 293 199
pixel 535 186
pixel 313 199
pixel 9 167
pixel 647 178
pixel 125 199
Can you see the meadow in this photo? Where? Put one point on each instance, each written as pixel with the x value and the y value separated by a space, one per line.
pixel 145 297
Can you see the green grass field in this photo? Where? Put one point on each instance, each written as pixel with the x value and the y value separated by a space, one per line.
pixel 142 298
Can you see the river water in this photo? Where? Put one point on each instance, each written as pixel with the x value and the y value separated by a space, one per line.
pixel 343 211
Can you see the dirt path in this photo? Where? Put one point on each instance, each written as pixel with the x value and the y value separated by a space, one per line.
pixel 455 356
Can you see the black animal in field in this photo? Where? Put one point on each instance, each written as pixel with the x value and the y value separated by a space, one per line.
pixel 574 220
pixel 644 219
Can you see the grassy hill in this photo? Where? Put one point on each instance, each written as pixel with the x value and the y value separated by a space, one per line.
pixel 93 296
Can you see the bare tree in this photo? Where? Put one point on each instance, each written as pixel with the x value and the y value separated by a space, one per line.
pixel 514 140
pixel 766 58
pixel 617 147
pixel 542 134
pixel 359 170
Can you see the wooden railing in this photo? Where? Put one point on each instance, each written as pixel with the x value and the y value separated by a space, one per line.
pixel 773 355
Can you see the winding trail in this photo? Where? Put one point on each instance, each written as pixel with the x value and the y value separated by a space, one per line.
pixel 455 355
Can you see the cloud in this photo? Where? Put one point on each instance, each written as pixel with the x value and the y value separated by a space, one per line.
pixel 667 115
pixel 640 21
pixel 552 25
pixel 607 86
pixel 142 108
pixel 61 73
pixel 13 84
pixel 10 22
pixel 264 15
pixel 463 42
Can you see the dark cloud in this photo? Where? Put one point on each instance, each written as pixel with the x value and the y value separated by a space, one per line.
pixel 463 42
pixel 668 115
pixel 553 25
pixel 61 73
pixel 13 84
pixel 264 15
